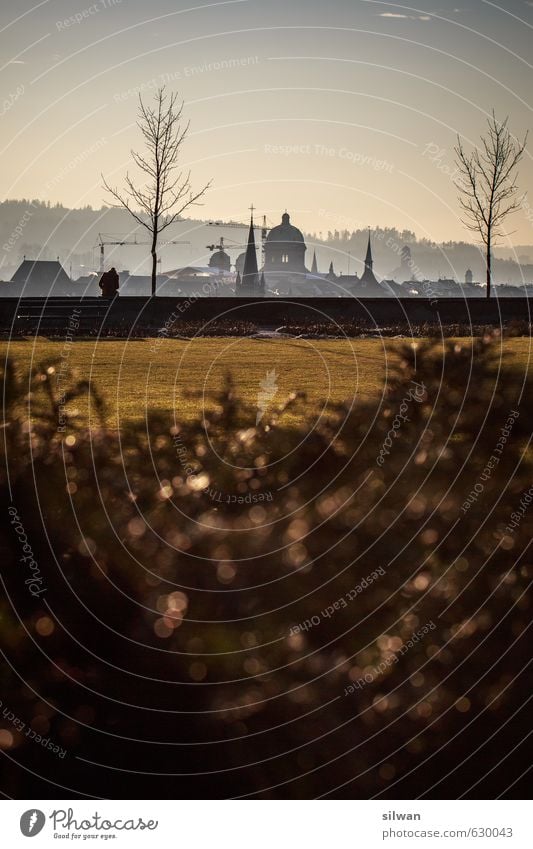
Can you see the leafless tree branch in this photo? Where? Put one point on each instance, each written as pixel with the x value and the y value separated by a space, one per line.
pixel 487 184
pixel 167 192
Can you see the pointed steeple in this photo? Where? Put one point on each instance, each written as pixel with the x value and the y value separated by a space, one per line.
pixel 250 272
pixel 262 284
pixel 238 283
pixel 368 280
pixel 331 276
pixel 369 262
pixel 314 267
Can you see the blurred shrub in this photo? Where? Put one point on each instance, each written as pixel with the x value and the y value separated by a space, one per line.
pixel 191 634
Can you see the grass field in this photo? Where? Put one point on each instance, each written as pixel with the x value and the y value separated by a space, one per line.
pixel 139 375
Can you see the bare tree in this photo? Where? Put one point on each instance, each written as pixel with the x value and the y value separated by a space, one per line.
pixel 487 184
pixel 167 191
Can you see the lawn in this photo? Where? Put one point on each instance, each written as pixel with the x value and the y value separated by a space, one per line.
pixel 159 374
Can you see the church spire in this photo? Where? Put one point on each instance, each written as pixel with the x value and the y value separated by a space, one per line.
pixel 250 281
pixel 314 267
pixel 368 280
pixel 369 262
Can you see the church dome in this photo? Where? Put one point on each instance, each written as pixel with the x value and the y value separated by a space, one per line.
pixel 221 260
pixel 285 232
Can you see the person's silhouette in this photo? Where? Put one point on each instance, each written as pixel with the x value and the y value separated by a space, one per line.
pixel 109 283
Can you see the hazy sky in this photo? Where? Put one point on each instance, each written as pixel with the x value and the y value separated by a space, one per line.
pixel 342 111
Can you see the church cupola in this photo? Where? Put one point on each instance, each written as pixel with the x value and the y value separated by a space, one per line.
pixel 285 249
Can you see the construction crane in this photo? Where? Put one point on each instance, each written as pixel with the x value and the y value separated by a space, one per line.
pixel 222 246
pixel 103 242
pixel 263 227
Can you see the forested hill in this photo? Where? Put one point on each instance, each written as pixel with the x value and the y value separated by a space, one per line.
pixel 36 229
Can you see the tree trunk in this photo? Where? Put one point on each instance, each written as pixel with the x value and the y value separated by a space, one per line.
pixel 154 270
pixel 489 268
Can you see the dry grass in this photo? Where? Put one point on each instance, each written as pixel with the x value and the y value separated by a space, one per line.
pixel 135 377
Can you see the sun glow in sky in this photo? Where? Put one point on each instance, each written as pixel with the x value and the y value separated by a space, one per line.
pixel 343 112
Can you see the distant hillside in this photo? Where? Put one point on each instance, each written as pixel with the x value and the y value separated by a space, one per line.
pixel 38 230
pixel 429 260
